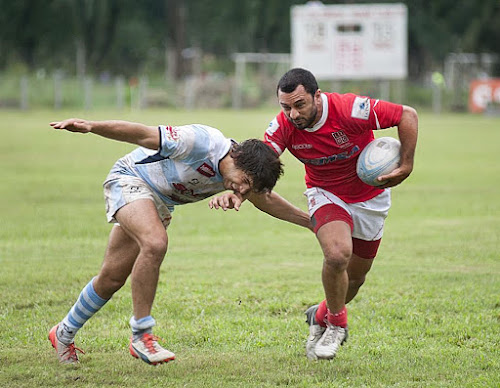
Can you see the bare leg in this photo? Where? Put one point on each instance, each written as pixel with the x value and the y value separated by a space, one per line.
pixel 136 247
pixel 119 259
pixel 357 270
pixel 336 243
pixel 140 220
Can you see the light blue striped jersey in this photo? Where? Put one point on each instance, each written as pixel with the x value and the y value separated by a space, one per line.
pixel 186 167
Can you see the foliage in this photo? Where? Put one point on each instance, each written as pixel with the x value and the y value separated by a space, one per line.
pixel 234 285
pixel 125 36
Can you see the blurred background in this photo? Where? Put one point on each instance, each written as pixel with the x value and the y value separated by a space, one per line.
pixel 92 54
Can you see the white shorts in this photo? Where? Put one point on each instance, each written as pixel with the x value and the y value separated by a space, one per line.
pixel 368 217
pixel 126 189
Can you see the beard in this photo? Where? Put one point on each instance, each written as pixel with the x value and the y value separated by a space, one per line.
pixel 303 122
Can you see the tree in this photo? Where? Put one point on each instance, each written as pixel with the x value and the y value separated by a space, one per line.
pixel 23 23
pixel 94 24
pixel 121 35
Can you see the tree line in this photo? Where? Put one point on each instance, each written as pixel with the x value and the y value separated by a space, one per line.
pixel 127 36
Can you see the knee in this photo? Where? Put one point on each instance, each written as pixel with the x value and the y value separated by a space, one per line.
pixel 337 258
pixel 154 248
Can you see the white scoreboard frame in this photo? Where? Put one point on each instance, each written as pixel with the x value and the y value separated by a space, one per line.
pixel 354 41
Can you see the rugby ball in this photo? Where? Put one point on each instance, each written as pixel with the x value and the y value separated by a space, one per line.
pixel 381 156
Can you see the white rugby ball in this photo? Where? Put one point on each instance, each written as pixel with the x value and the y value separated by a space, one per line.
pixel 381 156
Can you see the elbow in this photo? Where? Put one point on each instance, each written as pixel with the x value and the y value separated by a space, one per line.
pixel 409 120
pixel 409 114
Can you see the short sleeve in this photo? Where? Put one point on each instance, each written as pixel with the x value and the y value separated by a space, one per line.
pixel 386 114
pixel 364 113
pixel 183 142
pixel 274 136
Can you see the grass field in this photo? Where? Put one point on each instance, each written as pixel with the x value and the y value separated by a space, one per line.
pixel 234 286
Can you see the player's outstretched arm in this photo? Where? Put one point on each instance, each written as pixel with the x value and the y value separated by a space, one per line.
pixel 275 205
pixel 408 133
pixel 271 203
pixel 126 131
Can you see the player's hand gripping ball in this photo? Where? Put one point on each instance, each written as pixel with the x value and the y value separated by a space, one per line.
pixel 380 157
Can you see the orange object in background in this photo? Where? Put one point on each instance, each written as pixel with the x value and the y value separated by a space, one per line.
pixel 482 93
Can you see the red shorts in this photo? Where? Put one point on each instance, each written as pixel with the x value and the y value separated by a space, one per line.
pixel 332 212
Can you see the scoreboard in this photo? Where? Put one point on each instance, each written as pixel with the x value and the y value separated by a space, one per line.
pixel 354 41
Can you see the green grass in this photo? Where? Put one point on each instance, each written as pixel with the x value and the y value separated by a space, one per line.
pixel 234 286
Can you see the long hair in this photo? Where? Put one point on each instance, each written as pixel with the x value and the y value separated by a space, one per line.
pixel 260 162
pixel 295 77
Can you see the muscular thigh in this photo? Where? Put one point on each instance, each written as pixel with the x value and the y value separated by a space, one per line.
pixel 125 190
pixel 120 256
pixel 335 239
pixel 365 218
pixel 140 220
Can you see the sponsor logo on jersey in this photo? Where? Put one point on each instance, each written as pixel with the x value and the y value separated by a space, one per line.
pixel 171 134
pixel 206 170
pixel 273 127
pixel 340 137
pixel 302 146
pixel 183 190
pixel 332 158
pixel 361 108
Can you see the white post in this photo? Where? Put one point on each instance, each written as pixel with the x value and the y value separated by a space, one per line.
pixel 437 81
pixel 171 68
pixel 24 92
pixel 189 92
pixel 336 86
pixel 143 92
pixel 399 91
pixel 57 89
pixel 80 59
pixel 385 89
pixel 120 92
pixel 87 92
pixel 238 82
pixel 436 99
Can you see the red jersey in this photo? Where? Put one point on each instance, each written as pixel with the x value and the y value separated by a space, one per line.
pixel 331 148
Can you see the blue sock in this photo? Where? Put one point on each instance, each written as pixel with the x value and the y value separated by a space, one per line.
pixel 86 306
pixel 142 326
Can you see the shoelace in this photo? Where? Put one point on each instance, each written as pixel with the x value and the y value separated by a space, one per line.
pixel 71 352
pixel 318 330
pixel 151 342
pixel 330 336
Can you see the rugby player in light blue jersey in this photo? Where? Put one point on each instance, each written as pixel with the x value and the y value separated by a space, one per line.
pixel 172 166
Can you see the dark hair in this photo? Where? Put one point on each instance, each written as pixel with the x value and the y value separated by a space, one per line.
pixel 260 162
pixel 295 77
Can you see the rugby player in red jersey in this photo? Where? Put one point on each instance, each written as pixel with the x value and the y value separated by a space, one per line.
pixel 327 132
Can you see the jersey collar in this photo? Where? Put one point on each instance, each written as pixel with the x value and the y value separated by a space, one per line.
pixel 324 115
